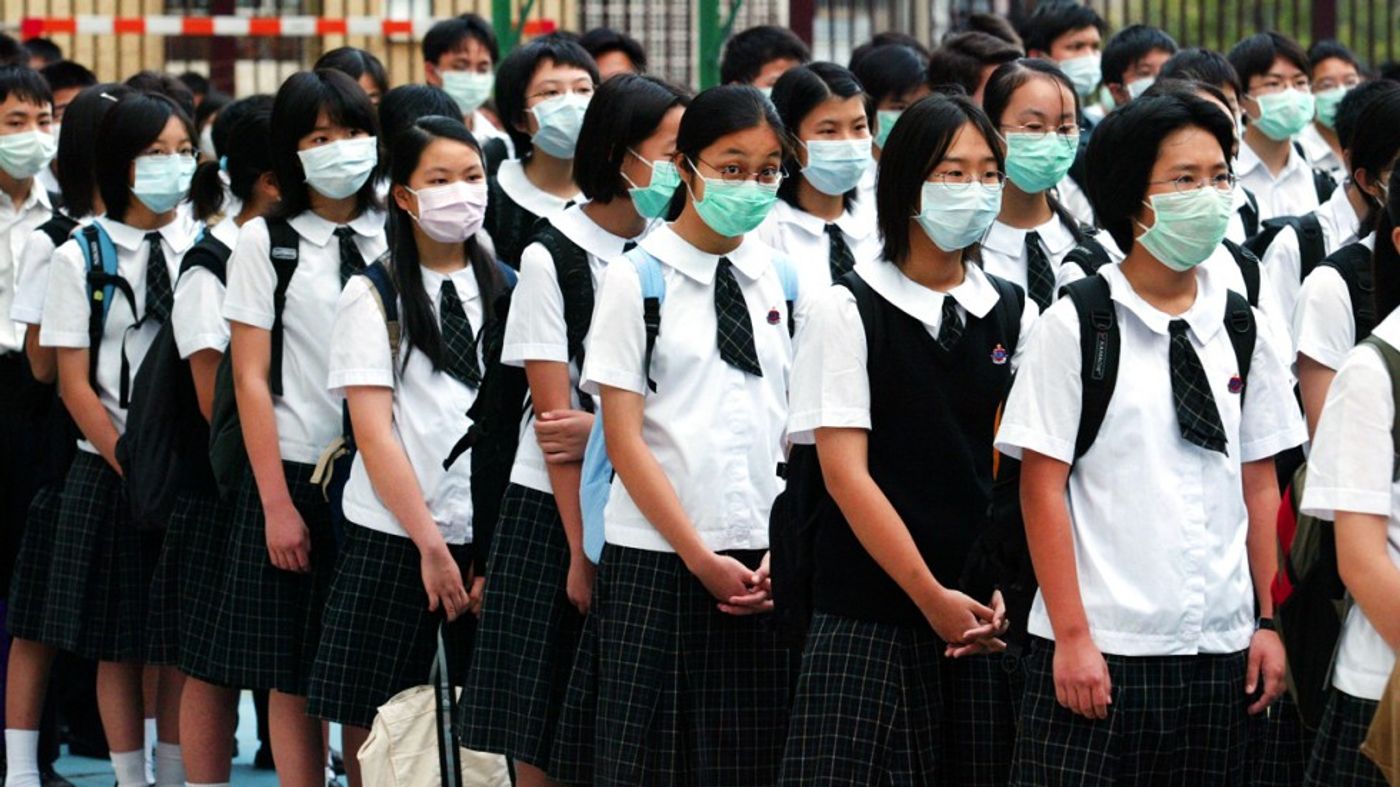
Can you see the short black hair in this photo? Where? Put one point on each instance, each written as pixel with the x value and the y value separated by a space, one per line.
pixel 196 82
pixel 714 113
pixel 1254 56
pixel 156 82
pixel 125 132
pixel 795 95
pixel 882 40
pixel 601 40
pixel 1130 45
pixel 1353 106
pixel 450 34
pixel 403 105
pixel 298 103
pixel 918 142
pixel 992 25
pixel 44 49
pixel 1329 49
pixel 65 74
pixel 229 115
pixel 963 56
pixel 1052 19
pixel 1203 65
pixel 1125 146
pixel 888 71
pixel 25 84
pixel 746 52
pixel 213 103
pixel 246 156
pixel 516 71
pixel 77 145
pixel 623 113
pixel 355 63
pixel 1187 87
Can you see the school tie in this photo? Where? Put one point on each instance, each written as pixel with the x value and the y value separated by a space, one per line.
pixel 628 246
pixel 734 327
pixel 950 328
pixel 351 262
pixel 1196 412
pixel 1039 277
pixel 160 296
pixel 840 259
pixel 458 344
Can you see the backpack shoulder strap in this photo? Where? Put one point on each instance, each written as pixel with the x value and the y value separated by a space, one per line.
pixel 1311 248
pixel 284 249
pixel 104 281
pixel 1391 357
pixel 494 151
pixel 1011 303
pixel 575 279
pixel 59 228
pixel 653 293
pixel 1249 269
pixel 1324 184
pixel 386 295
pixel 1353 263
pixel 211 254
pixel 787 276
pixel 1249 214
pixel 1089 255
pixel 1243 332
pixel 1099 345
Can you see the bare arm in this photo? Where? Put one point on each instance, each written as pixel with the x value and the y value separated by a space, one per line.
pixel 43 361
pixel 84 404
pixel 1266 655
pixel 1313 381
pixel 550 391
pixel 204 367
pixel 1373 580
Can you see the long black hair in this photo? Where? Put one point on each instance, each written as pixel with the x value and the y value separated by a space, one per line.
pixel 245 156
pixel 1385 261
pixel 77 145
pixel 714 113
pixel 625 111
pixel 299 102
pixel 420 321
pixel 796 93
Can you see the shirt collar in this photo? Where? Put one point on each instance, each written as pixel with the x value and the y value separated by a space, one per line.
pixel 1205 317
pixel 750 259
pixel 784 213
pixel 464 280
pixel 1011 241
pixel 975 294
pixel 179 234
pixel 1338 211
pixel 512 179
pixel 225 231
pixel 1248 162
pixel 582 230
pixel 319 231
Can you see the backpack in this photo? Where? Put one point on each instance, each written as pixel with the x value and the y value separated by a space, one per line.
pixel 1090 256
pixel 1353 263
pixel 793 523
pixel 595 484
pixel 227 455
pixel 1004 549
pixel 164 450
pixel 104 282
pixel 1323 182
pixel 1249 213
pixel 1311 247
pixel 59 228
pixel 494 152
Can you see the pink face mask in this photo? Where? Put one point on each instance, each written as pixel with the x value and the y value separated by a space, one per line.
pixel 451 213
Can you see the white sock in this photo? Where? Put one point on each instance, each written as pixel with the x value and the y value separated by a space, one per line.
pixel 22 756
pixel 149 751
pixel 170 768
pixel 206 784
pixel 130 767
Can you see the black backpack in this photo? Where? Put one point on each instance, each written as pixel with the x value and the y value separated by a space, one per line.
pixel 793 522
pixel 1311 246
pixel 1003 552
pixel 1323 182
pixel 1090 256
pixel 164 450
pixel 1353 263
pixel 227 454
pixel 59 228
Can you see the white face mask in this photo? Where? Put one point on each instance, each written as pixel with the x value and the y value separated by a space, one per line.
pixel 338 169
pixel 1085 72
pixel 163 180
pixel 451 213
pixel 957 215
pixel 468 88
pixel 836 166
pixel 23 155
pixel 560 119
pixel 1140 86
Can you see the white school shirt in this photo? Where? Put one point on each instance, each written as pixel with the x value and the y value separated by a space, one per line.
pixel 16 226
pixel 199 302
pixel 864 207
pixel 1235 231
pixel 307 416
pixel 1320 154
pixel 429 411
pixel 1004 249
pixel 1323 324
pixel 1158 524
pixel 802 238
pixel 1073 199
pixel 717 432
pixel 536 331
pixel 512 179
pixel 830 381
pixel 1350 469
pixel 484 130
pixel 67 305
pixel 1292 193
pixel 1282 264
pixel 32 278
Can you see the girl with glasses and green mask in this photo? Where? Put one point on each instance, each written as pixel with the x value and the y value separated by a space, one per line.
pixel 681 676
pixel 541 580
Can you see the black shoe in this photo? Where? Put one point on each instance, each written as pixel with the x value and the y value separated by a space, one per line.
pixel 50 778
pixel 337 763
pixel 262 761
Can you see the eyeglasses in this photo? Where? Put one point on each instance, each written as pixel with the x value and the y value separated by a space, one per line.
pixel 1273 84
pixel 1329 83
pixel 961 180
pixel 733 173
pixel 555 92
pixel 1225 181
pixel 1068 131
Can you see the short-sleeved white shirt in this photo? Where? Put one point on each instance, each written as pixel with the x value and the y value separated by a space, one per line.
pixel 717 432
pixel 67 306
pixel 802 237
pixel 1004 249
pixel 1320 154
pixel 1322 320
pixel 536 330
pixel 1158 524
pixel 483 129
pixel 17 225
pixel 1284 259
pixel 32 283
pixel 1350 468
pixel 307 416
pixel 1292 193
pixel 430 406
pixel 199 302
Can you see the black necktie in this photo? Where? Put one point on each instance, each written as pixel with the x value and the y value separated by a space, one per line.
pixel 840 259
pixel 628 246
pixel 458 344
pixel 1040 279
pixel 950 328
pixel 1196 413
pixel 351 262
pixel 159 294
pixel 734 326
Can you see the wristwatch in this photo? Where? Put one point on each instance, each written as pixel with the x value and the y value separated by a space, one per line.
pixel 1265 624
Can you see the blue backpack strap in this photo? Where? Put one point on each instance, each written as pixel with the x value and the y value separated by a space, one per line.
pixel 653 294
pixel 595 485
pixel 387 296
pixel 509 274
pixel 103 279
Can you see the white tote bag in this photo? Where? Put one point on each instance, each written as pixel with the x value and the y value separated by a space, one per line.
pixel 411 743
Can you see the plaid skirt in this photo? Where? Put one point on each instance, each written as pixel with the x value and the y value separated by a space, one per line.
pixel 268 623
pixel 1175 720
pixel 202 525
pixel 666 689
pixel 378 637
pixel 982 700
pixel 101 567
pixel 1336 757
pixel 29 585
pixel 1278 746
pixel 179 580
pixel 528 635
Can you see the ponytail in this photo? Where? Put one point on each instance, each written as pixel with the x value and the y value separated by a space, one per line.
pixel 1385 262
pixel 207 191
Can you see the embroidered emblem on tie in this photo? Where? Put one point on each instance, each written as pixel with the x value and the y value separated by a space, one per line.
pixel 1000 356
pixel 1236 384
pixel 774 317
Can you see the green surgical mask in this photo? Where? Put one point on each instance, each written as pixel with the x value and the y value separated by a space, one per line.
pixel 1189 226
pixel 1327 103
pixel 734 208
pixel 1284 114
pixel 1038 162
pixel 885 120
pixel 651 200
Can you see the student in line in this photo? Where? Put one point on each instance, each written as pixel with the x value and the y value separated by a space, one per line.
pixel 542 92
pixel 1121 637
pixel 1277 103
pixel 460 56
pixel 614 52
pixel 968 59
pixel 361 66
pixel 101 567
pixel 66 80
pixel 816 222
pixel 893 77
pixel 281 552
pixel 680 676
pixel 1351 481
pixel 541 583
pixel 1335 71
pixel 1132 59
pixel 878 699
pixel 759 55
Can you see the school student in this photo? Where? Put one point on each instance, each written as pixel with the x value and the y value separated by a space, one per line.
pixel 893 78
pixel 281 551
pixel 96 605
pixel 815 222
pixel 1071 34
pixel 877 698
pixel 967 59
pixel 66 80
pixel 759 55
pixel 680 676
pixel 1335 71
pixel 542 91
pixel 541 583
pixel 361 66
pixel 460 56
pixel 1132 59
pixel 614 52
pixel 1142 669
pixel 1351 481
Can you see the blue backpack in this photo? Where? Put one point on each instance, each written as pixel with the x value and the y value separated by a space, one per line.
pixel 597 476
